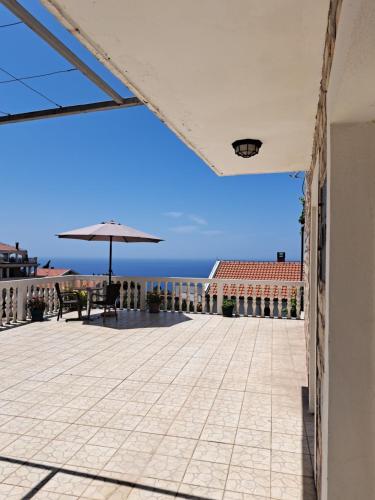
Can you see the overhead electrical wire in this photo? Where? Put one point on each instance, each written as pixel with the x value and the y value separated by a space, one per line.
pixel 31 88
pixel 41 75
pixel 10 24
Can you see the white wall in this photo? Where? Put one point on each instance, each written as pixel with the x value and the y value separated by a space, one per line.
pixel 351 313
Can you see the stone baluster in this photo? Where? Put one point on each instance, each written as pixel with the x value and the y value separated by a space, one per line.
pixel 219 297
pixel 262 301
pixel 135 296
pixel 21 303
pixel 122 294
pixel 13 304
pixel 55 300
pixel 237 288
pixel 289 302
pixel 245 300
pixel 165 295
pixel 203 297
pixel 187 294
pixel 129 294
pixel 7 305
pixel 1 306
pixel 211 299
pixel 279 301
pixel 195 297
pixel 254 301
pixel 143 295
pixel 272 301
pixel 298 302
pixel 180 296
pixel 173 306
pixel 45 298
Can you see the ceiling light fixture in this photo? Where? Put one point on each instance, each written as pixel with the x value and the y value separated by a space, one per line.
pixel 246 147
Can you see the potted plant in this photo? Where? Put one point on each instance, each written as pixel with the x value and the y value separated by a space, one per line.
pixel 153 301
pixel 227 307
pixel 37 307
pixel 83 297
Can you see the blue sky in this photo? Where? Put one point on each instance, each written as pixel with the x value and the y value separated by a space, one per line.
pixel 126 165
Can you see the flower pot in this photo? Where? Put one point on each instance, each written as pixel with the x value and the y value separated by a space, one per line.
pixel 154 307
pixel 36 314
pixel 228 311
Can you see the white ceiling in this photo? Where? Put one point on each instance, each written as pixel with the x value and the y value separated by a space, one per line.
pixel 216 70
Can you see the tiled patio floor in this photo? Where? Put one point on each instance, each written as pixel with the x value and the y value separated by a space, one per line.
pixel 155 406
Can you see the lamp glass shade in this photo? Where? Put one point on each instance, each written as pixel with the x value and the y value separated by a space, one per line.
pixel 246 147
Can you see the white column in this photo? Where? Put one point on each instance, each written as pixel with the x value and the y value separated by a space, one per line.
pixel 350 322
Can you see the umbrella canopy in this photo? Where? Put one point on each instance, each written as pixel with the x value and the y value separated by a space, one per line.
pixel 110 231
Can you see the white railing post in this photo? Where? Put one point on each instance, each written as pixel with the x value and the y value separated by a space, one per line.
pixel 262 301
pixel 135 296
pixel 245 300
pixel 237 313
pixel 122 294
pixel 165 295
pixel 173 308
pixel 7 305
pixel 180 296
pixel 21 303
pixel 283 296
pixel 254 301
pixel 289 302
pixel 143 294
pixel 195 298
pixel 279 301
pixel 298 302
pixel 211 303
pixel 128 296
pixel 219 297
pixel 203 297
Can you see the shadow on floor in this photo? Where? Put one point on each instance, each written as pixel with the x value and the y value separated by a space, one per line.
pixel 128 320
pixel 309 490
pixel 53 471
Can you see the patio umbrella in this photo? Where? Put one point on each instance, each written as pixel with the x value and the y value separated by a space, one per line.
pixel 110 231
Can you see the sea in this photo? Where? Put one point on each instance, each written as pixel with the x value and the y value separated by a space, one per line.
pixel 193 268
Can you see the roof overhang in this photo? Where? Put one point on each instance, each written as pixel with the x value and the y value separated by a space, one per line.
pixel 216 71
pixel 351 90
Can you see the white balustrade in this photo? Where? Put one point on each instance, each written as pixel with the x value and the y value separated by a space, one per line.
pixel 198 295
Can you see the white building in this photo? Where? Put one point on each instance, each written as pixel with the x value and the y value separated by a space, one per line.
pixel 15 262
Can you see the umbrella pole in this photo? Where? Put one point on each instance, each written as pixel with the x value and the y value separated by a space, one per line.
pixel 110 260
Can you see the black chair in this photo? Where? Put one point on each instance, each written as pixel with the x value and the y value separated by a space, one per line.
pixel 68 301
pixel 104 297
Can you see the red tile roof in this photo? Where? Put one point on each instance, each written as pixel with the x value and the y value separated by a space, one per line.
pixel 4 247
pixel 250 270
pixel 275 271
pixel 50 273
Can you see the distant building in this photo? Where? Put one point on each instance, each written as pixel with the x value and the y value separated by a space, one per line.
pixel 280 270
pixel 253 270
pixel 15 262
pixel 51 272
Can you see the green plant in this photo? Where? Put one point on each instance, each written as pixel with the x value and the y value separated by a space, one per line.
pixel 36 304
pixel 228 303
pixel 293 307
pixel 83 295
pixel 228 306
pixel 301 219
pixel 154 298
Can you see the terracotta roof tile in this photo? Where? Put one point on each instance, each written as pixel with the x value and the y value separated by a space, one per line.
pixel 47 273
pixel 251 270
pixel 4 247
